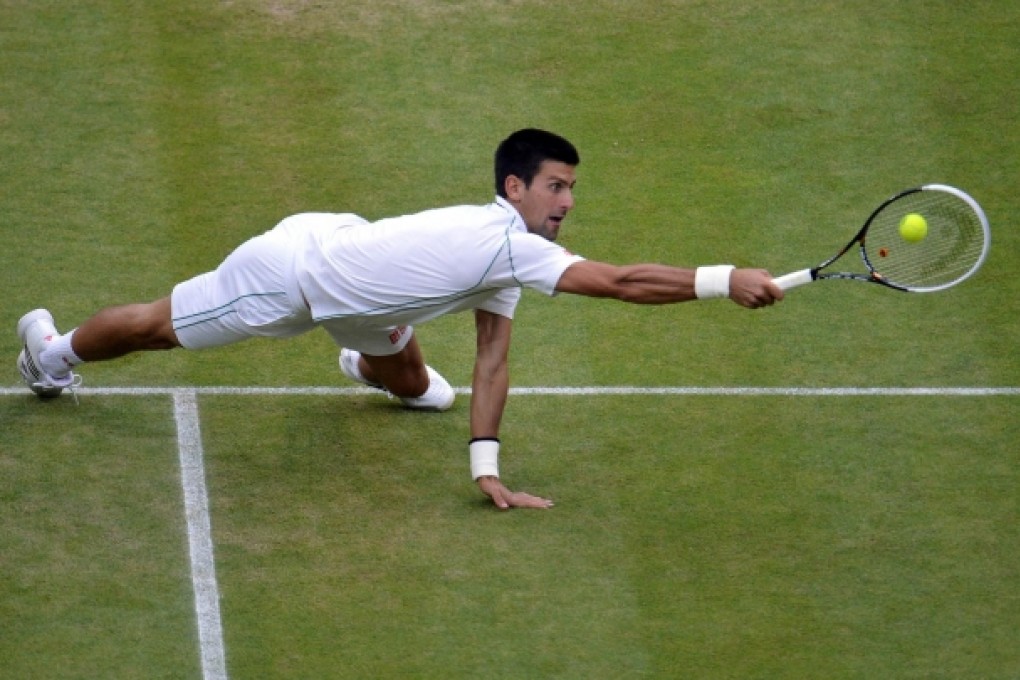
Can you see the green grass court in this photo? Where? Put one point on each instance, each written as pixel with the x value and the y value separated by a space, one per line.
pixel 702 534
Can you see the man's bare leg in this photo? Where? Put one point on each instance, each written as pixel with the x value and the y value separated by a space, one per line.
pixel 116 331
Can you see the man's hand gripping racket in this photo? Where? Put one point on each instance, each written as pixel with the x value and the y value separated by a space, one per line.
pixel 921 240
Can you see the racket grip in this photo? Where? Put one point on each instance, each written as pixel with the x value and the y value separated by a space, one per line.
pixel 794 279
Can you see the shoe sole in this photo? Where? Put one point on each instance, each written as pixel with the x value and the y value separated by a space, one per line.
pixel 350 375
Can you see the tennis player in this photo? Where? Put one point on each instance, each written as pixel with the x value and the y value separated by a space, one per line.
pixel 369 284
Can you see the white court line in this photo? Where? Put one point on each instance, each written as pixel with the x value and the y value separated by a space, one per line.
pixel 567 391
pixel 200 545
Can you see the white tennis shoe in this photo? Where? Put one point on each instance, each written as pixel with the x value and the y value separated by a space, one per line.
pixel 438 397
pixel 36 331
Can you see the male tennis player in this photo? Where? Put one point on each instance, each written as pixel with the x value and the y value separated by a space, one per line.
pixel 368 284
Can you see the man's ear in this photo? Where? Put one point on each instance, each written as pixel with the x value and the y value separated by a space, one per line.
pixel 513 185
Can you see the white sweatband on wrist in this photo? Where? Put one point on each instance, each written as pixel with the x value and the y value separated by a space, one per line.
pixel 484 457
pixel 712 282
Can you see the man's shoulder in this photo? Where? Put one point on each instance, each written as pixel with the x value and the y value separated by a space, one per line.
pixel 481 212
pixel 454 217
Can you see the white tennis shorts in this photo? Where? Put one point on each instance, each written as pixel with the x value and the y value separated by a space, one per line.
pixel 254 293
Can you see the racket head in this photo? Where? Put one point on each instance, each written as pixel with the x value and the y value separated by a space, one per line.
pixel 953 249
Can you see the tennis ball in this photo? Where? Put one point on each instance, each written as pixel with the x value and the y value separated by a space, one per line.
pixel 913 228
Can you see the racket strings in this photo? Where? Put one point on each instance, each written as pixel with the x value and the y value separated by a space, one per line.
pixel 950 249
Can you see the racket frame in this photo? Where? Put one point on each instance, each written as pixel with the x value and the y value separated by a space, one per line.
pixel 803 276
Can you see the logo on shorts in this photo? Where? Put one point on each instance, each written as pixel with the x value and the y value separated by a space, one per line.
pixel 397 333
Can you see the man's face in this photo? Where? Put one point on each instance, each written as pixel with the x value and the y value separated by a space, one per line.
pixel 545 203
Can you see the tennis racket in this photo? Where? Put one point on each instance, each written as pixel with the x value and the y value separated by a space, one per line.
pixel 944 248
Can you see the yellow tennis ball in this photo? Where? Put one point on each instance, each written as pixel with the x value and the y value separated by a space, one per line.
pixel 913 228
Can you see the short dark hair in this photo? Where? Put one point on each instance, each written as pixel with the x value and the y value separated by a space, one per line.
pixel 522 153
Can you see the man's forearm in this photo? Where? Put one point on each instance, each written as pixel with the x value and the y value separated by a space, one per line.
pixel 488 399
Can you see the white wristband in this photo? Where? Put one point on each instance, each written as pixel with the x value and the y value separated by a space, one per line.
pixel 712 282
pixel 484 458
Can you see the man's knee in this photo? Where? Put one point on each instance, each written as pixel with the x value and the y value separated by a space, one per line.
pixel 155 325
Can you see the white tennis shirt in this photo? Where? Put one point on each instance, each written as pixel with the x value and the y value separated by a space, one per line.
pixel 410 269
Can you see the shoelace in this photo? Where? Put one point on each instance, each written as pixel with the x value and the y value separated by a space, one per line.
pixel 76 381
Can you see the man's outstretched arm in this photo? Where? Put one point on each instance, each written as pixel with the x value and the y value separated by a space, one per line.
pixel 661 284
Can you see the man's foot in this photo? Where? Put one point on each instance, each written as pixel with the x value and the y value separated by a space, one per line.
pixel 36 331
pixel 438 397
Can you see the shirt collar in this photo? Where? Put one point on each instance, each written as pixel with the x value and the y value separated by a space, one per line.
pixel 517 222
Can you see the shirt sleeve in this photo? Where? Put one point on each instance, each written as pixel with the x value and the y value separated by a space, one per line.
pixel 503 302
pixel 538 263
